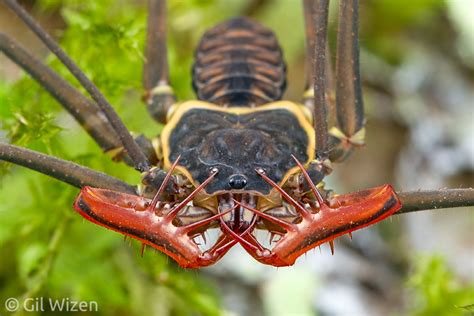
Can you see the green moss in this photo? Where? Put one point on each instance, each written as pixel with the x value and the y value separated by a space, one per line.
pixel 46 249
pixel 435 290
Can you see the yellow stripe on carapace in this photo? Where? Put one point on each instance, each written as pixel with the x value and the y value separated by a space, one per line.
pixel 180 109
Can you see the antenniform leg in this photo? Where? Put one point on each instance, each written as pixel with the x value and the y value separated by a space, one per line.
pixel 159 95
pixel 63 170
pixel 139 159
pixel 311 8
pixel 84 110
pixel 317 89
pixel 338 115
pixel 321 221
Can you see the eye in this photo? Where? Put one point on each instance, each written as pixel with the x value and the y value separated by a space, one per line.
pixel 237 181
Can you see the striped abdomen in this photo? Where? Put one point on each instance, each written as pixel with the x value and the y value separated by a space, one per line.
pixel 239 63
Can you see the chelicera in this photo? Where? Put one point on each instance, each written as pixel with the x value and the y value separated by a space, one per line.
pixel 239 158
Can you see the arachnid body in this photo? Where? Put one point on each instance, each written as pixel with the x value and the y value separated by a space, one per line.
pixel 238 158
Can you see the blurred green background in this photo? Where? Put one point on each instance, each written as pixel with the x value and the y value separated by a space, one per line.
pixel 417 63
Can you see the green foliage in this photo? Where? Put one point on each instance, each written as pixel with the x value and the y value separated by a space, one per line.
pixel 386 24
pixel 46 249
pixel 436 291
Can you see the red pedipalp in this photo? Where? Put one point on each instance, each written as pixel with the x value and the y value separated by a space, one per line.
pixel 354 211
pixel 156 198
pixel 239 237
pixel 136 217
pixel 188 199
pixel 283 193
pixel 245 233
pixel 283 224
pixel 190 227
pixel 315 190
pixel 131 215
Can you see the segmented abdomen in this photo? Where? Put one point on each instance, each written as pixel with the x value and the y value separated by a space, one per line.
pixel 239 63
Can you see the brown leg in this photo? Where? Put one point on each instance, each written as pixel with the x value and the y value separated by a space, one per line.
pixel 159 95
pixel 316 16
pixel 320 18
pixel 140 161
pixel 83 109
pixel 349 105
pixel 65 171
pixel 309 8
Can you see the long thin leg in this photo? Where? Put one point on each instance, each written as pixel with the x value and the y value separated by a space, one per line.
pixel 309 8
pixel 310 35
pixel 319 77
pixel 350 108
pixel 315 97
pixel 84 110
pixel 159 95
pixel 65 171
pixel 413 201
pixel 349 105
pixel 140 161
pixel 80 107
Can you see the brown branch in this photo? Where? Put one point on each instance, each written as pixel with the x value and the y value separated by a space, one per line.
pixel 435 199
